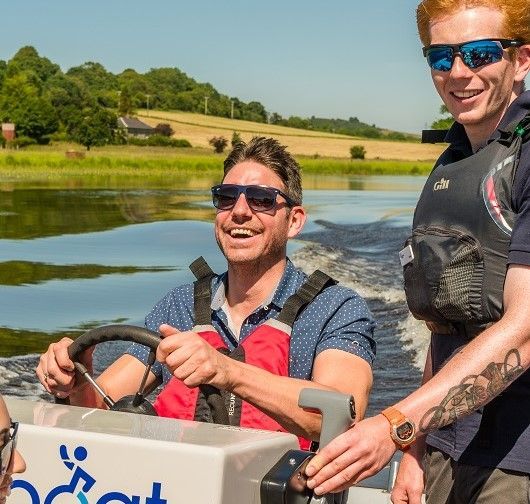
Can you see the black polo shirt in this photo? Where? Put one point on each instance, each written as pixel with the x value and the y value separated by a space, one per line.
pixel 460 148
pixel 499 434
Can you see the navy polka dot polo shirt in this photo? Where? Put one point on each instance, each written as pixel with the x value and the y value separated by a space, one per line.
pixel 337 319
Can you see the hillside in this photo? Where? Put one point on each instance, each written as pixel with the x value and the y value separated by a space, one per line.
pixel 81 104
pixel 199 128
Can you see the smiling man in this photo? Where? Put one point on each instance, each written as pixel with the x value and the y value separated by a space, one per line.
pixel 467 275
pixel 260 332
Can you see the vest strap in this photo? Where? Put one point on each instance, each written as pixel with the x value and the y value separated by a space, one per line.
pixel 308 291
pixel 202 291
pixel 519 128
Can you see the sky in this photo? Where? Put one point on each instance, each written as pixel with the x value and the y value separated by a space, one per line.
pixel 334 58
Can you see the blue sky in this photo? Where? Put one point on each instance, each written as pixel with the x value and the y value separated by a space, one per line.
pixel 335 58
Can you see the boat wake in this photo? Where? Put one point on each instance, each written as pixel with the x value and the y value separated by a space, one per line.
pixel 363 257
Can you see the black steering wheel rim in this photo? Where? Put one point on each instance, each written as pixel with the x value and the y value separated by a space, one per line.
pixel 113 332
pixel 150 339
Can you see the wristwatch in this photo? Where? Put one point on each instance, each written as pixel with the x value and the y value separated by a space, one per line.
pixel 402 429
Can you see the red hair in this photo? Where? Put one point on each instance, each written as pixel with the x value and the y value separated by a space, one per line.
pixel 516 15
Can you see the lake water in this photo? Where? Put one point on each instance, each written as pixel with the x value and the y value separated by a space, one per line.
pixel 73 258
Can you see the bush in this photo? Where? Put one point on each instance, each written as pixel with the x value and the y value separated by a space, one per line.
pixel 164 129
pixel 236 138
pixel 60 136
pixel 218 143
pixel 20 142
pixel 357 152
pixel 159 141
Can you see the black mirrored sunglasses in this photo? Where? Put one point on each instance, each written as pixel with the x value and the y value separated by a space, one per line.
pixel 259 198
pixel 8 450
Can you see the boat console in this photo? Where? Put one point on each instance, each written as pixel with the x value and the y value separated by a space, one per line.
pixel 99 457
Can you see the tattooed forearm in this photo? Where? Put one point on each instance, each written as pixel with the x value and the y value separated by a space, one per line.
pixel 473 392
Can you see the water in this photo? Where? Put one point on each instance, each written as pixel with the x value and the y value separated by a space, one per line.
pixel 75 258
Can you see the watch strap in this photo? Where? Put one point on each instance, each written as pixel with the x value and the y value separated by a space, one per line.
pixel 394 416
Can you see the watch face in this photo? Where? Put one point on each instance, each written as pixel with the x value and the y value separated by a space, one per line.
pixel 405 431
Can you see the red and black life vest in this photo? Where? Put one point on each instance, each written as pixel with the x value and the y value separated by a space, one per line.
pixel 267 347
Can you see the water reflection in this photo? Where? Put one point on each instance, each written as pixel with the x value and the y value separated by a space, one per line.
pixel 103 249
pixel 26 272
pixel 34 213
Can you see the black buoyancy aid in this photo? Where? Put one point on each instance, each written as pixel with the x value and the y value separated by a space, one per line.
pixel 267 347
pixel 454 264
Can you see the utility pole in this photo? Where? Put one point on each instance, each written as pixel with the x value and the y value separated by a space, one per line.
pixel 206 105
pixel 147 96
pixel 231 109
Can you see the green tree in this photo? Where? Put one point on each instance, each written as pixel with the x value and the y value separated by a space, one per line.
pixel 236 139
pixel 27 60
pixel 445 122
pixel 218 143
pixel 164 129
pixel 357 152
pixel 96 127
pixel 125 107
pixel 33 115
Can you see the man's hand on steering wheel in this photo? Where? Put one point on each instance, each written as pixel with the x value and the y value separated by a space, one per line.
pixel 191 359
pixel 56 370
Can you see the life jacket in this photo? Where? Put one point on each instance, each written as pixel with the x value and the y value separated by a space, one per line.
pixel 454 264
pixel 267 347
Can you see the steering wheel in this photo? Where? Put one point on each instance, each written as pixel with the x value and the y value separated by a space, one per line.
pixel 136 403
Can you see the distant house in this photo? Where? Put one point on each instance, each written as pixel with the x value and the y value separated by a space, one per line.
pixel 135 127
pixel 8 131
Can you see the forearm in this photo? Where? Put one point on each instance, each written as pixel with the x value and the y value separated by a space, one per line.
pixel 85 395
pixel 277 396
pixel 472 378
pixel 120 379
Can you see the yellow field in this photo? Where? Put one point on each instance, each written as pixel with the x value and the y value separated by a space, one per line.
pixel 198 129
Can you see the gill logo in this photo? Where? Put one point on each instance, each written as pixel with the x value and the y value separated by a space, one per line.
pixel 441 184
pixel 81 483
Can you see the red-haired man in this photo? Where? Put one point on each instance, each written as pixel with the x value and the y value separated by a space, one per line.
pixel 466 431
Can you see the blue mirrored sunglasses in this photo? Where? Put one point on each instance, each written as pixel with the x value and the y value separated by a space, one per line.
pixel 259 198
pixel 474 54
pixel 8 450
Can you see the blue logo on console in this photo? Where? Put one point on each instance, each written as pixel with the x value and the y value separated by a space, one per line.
pixel 81 483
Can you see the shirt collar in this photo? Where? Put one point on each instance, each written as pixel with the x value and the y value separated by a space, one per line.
pixel 457 137
pixel 286 286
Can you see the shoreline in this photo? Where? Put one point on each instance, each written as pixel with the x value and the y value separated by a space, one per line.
pixel 129 161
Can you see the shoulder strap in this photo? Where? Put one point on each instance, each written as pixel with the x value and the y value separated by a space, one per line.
pixel 202 291
pixel 523 128
pixel 308 291
pixel 518 128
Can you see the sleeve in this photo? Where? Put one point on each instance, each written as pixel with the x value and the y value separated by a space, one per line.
pixel 175 309
pixel 157 316
pixel 350 327
pixel 519 252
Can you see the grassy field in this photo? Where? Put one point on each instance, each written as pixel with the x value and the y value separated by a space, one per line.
pixel 198 129
pixel 318 153
pixel 163 167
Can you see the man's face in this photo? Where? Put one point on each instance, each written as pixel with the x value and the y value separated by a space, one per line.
pixel 246 236
pixel 17 464
pixel 477 98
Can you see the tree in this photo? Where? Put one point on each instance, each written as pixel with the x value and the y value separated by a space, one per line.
pixel 34 116
pixel 125 107
pixel 96 127
pixel 27 59
pixel 218 143
pixel 276 118
pixel 164 129
pixel 444 122
pixel 236 138
pixel 357 152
